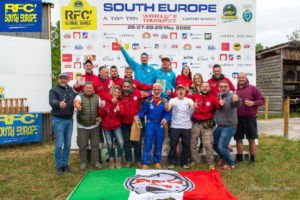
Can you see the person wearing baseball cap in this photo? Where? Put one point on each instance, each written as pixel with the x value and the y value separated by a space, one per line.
pixel 61 99
pixel 181 125
pixel 143 72
pixel 166 77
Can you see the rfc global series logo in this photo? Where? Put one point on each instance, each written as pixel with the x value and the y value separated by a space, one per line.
pixel 159 183
pixel 79 16
pixel 21 16
pixel 229 13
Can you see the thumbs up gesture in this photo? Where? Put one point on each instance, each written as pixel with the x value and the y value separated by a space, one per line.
pixel 118 107
pixel 195 106
pixel 169 92
pixel 63 104
pixel 235 97
pixel 221 102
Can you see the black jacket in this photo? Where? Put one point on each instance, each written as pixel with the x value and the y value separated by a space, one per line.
pixel 56 95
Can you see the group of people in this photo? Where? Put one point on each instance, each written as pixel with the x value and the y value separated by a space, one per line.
pixel 188 107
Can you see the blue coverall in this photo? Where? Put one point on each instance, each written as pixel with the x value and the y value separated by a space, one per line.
pixel 154 128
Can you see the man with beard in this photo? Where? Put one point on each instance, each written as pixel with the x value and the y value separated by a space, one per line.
pixel 247 122
pixel 61 99
pixel 216 78
pixel 203 123
pixel 157 119
pixel 114 75
pixel 226 119
pixel 131 99
pixel 143 72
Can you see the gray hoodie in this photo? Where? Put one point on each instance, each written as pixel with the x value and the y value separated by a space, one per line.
pixel 227 116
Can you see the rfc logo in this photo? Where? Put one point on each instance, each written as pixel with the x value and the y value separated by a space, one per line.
pixel 229 13
pixel 247 15
pixel 158 183
pixel 78 15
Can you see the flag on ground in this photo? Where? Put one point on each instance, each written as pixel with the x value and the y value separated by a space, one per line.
pixel 136 184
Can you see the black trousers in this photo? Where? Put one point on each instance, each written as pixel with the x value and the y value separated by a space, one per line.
pixel 175 135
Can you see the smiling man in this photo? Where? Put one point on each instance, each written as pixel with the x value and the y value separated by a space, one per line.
pixel 61 99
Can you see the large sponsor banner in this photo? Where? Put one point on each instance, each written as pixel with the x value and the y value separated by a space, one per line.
pixel 194 33
pixel 20 16
pixel 20 128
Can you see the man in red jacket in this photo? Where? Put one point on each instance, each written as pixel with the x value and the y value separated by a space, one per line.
pixel 136 84
pixel 247 122
pixel 87 77
pixel 216 78
pixel 131 98
pixel 203 123
pixel 114 76
pixel 104 86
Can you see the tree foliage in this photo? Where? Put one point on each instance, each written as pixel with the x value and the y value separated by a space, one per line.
pixel 259 46
pixel 294 36
pixel 55 52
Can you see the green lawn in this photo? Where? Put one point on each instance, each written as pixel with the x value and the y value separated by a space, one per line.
pixel 28 172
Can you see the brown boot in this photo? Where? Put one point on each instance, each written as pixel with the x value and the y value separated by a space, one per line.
pixel 112 163
pixel 118 163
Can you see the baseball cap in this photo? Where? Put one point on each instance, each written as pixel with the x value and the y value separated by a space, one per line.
pixel 63 75
pixel 144 54
pixel 179 86
pixel 165 58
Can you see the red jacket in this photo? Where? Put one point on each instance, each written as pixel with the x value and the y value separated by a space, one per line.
pixel 206 106
pixel 88 77
pixel 131 106
pixel 103 89
pixel 214 84
pixel 140 86
pixel 111 117
pixel 117 81
pixel 184 81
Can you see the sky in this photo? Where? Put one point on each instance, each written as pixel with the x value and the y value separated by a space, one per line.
pixel 274 20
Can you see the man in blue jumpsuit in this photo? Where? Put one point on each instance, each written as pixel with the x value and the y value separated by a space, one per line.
pixel 143 72
pixel 157 119
pixel 166 77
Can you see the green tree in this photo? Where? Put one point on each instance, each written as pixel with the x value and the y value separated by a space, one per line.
pixel 259 46
pixel 55 52
pixel 294 36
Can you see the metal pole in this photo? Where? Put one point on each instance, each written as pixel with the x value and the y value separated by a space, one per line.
pixel 266 108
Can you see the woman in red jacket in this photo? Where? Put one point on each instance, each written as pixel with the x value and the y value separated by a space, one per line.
pixel 185 79
pixel 111 125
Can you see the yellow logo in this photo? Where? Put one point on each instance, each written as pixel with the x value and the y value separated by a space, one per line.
pixel 79 16
pixel 237 46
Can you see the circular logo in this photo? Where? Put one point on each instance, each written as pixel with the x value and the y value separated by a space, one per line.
pixel 169 74
pixel 135 98
pixel 237 46
pixel 247 15
pixel 157 183
pixel 148 70
pixel 229 10
pixel 207 103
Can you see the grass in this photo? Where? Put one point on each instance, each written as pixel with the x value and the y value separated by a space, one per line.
pixel 28 172
pixel 292 115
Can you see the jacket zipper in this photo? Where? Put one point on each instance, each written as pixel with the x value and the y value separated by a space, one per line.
pixel 203 102
pixel 90 110
pixel 111 109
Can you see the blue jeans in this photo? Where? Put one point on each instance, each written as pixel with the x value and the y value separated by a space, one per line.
pixel 154 130
pixel 63 129
pixel 126 128
pixel 222 137
pixel 117 133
